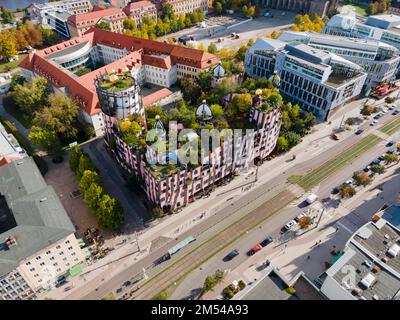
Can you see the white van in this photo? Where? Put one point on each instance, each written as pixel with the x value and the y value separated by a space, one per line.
pixel 311 198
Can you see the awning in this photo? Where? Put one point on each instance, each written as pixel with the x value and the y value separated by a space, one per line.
pixel 81 242
pixel 75 270
pixel 86 252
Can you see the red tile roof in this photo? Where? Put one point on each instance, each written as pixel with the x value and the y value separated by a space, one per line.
pixel 91 18
pixel 138 5
pixel 142 52
pixel 155 96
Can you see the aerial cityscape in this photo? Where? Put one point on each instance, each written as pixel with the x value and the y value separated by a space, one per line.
pixel 201 150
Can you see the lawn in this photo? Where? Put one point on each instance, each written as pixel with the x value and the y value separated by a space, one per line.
pixel 12 64
pixel 391 127
pixel 319 174
pixel 359 8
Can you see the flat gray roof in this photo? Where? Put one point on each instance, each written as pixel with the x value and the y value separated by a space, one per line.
pixel 386 285
pixel 271 287
pixel 40 218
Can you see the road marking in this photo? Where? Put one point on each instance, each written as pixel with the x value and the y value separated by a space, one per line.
pixel 344 227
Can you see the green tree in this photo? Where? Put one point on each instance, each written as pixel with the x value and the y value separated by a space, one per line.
pixel 157 213
pixel 292 138
pixel 85 163
pixel 110 213
pixel 218 7
pixel 92 196
pixel 191 91
pixel 46 139
pixel 8 47
pixel 103 25
pixel 241 53
pixel 205 80
pixel 7 16
pixel 251 11
pixel 74 156
pixel 209 283
pixel 130 24
pixel 88 178
pixel 167 10
pixel 60 116
pixel 212 48
pixel 217 111
pixel 242 102
pixel 377 168
pixel 391 157
pixel 32 95
pixel 283 144
pixel 244 10
pixel 82 71
pixel 49 36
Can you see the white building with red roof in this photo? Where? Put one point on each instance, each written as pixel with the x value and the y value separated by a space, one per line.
pixel 147 61
pixel 113 17
pixel 141 9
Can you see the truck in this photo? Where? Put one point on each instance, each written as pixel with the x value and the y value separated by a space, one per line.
pixel 311 198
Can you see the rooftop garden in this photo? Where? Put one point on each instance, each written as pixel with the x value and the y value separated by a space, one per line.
pixel 116 82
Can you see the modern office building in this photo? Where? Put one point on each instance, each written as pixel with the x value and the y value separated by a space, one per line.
pixel 38 247
pixel 147 61
pixel 384 28
pixel 320 7
pixel 369 267
pixel 378 59
pixel 141 9
pixel 55 15
pixel 112 17
pixel 317 80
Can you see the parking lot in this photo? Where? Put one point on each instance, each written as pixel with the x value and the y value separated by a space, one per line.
pixel 221 27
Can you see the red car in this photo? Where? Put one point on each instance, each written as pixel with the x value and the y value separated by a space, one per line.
pixel 253 250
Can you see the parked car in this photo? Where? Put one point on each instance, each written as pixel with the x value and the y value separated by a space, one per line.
pixel 255 249
pixel 381 157
pixel 359 131
pixel 376 161
pixel 127 283
pixel 396 112
pixel 334 136
pixel 231 255
pixel 390 143
pixel 288 226
pixel 391 150
pixel 349 181
pixel 374 122
pixel 367 168
pixel 335 190
pixel 266 241
pixel 311 198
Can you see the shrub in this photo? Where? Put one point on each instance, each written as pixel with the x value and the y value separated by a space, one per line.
pixel 228 294
pixel 242 285
pixel 305 222
pixel 377 168
pixel 291 290
pixel 362 178
pixel 347 191
pixel 163 295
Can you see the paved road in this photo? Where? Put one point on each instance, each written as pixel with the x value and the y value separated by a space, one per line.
pixel 135 212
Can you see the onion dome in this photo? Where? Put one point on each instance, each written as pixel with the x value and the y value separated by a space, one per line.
pixel 159 127
pixel 219 71
pixel 203 112
pixel 275 79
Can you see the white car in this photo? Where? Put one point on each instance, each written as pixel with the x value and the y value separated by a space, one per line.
pixel 301 215
pixel 266 14
pixel 350 181
pixel 374 122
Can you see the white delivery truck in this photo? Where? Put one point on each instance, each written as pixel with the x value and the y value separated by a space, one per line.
pixel 311 198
